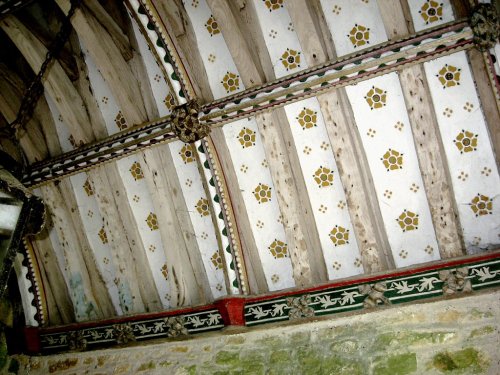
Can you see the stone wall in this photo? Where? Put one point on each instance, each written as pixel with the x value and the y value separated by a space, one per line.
pixel 455 336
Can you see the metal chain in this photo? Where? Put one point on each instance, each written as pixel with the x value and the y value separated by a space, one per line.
pixel 35 90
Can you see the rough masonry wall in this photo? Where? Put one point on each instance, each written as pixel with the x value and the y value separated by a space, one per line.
pixel 455 336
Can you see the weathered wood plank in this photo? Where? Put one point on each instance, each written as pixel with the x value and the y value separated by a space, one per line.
pixel 428 144
pixel 57 83
pixel 89 294
pixel 308 29
pixel 108 58
pixel 246 14
pixel 358 186
pixel 186 289
pixel 243 56
pixel 432 161
pixel 136 257
pixel 30 137
pixel 108 22
pixel 176 22
pixel 55 287
pixel 289 199
pixel 82 84
pixel 104 183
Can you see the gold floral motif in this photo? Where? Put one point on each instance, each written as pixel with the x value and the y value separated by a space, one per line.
pixel 290 59
pixel 164 271
pixel 431 11
pixel 212 26
pixel 152 221
pixel 202 207
pixel 481 205
pixel 466 141
pixel 136 171
pixel 323 177
pixel 120 121
pixel 307 118
pixel 376 98
pixel 262 193
pixel 278 249
pixel 408 221
pixel 392 160
pixel 169 101
pixel 216 260
pixel 88 188
pixel 231 82
pixel 359 35
pixel 103 235
pixel 339 235
pixel 187 153
pixel 273 4
pixel 246 137
pixel 449 76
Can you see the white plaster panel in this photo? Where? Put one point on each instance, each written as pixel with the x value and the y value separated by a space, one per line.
pixel 330 211
pixel 386 136
pixel 473 170
pixel 251 170
pixel 430 13
pixel 359 19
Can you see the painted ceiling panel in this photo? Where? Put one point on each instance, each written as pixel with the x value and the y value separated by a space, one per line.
pixel 338 241
pixel 430 13
pixel 280 38
pixel 351 30
pixel 139 198
pixel 466 143
pixel 258 192
pixel 221 70
pixel 382 120
pixel 97 235
pixel 151 230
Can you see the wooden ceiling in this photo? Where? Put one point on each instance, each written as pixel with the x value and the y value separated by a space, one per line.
pixel 347 138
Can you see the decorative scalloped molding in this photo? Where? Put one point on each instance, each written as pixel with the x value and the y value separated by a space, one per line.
pixel 438 280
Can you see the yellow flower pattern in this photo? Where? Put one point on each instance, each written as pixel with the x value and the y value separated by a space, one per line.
pixel 323 177
pixel 278 249
pixel 408 221
pixel 290 59
pixel 431 11
pixel 231 82
pixel 481 205
pixel 376 98
pixel 359 35
pixel 187 153
pixel 246 137
pixel 202 207
pixel 466 141
pixel 307 118
pixel 339 235
pixel 392 160
pixel 262 193
pixel 152 221
pixel 449 76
